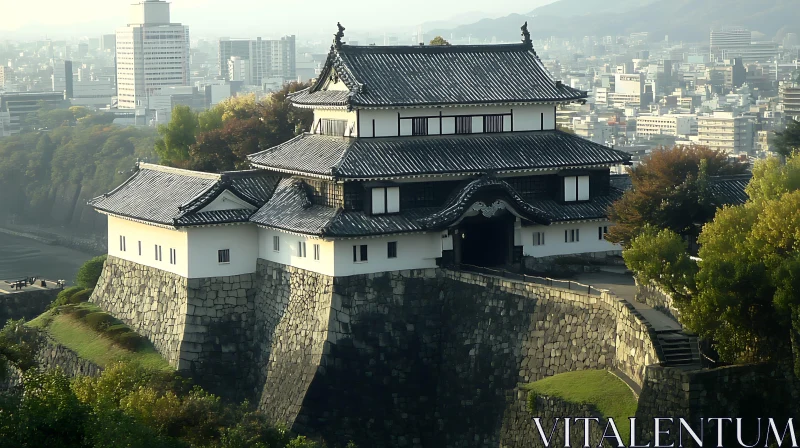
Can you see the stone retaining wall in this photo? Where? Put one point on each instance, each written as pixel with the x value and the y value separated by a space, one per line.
pixel 746 391
pixel 150 301
pixel 415 358
pixel 519 430
pixel 25 304
pixel 52 355
pixel 653 295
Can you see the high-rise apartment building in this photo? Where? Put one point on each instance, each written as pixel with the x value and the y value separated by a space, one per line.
pixel 266 58
pixel 152 53
pixel 5 75
pixel 790 99
pixel 673 125
pixel 723 131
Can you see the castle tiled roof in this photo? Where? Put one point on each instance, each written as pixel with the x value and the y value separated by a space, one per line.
pixel 380 76
pixel 291 209
pixel 175 197
pixel 365 158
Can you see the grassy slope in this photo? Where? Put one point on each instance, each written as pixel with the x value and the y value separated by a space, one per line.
pixel 609 394
pixel 92 346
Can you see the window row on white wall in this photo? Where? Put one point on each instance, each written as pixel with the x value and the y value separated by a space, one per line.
pixel 434 121
pixel 566 239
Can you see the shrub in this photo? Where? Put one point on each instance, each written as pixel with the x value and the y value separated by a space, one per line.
pixel 64 296
pixel 81 296
pixel 126 339
pixel 89 273
pixel 98 321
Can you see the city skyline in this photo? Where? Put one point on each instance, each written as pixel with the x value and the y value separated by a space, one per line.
pixel 208 18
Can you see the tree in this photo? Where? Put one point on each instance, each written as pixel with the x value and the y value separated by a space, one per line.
pixel 439 40
pixel 788 141
pixel 744 295
pixel 669 191
pixel 89 273
pixel 177 136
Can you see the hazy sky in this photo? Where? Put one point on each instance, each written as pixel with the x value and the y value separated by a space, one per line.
pixel 57 18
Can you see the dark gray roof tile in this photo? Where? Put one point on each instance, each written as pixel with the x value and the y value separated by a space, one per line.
pixel 344 157
pixel 430 75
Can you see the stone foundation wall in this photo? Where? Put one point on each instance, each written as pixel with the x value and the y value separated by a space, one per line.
pixel 25 304
pixel 746 391
pixel 519 430
pixel 150 301
pixel 415 358
pixel 425 358
pixel 653 295
pixel 52 355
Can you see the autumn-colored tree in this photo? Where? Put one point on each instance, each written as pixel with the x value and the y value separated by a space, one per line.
pixel 439 40
pixel 669 191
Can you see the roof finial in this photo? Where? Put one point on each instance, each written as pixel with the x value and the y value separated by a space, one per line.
pixel 337 38
pixel 526 35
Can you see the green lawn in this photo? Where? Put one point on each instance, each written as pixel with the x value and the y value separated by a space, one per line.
pixel 92 346
pixel 601 388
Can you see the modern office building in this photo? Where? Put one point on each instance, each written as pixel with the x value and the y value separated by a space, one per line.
pixel 152 53
pixel 16 105
pixel 726 132
pixel 673 125
pixel 737 42
pixel 790 99
pixel 62 78
pixel 266 58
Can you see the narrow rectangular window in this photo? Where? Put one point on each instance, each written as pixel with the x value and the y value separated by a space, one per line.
pixel 392 199
pixel 360 253
pixel 158 253
pixel 301 249
pixel 566 236
pixel 577 234
pixel 538 238
pixel 378 201
pixel 583 188
pixel 570 188
pixel 542 122
pixel 140 248
pixel 600 233
pixel 224 255
pixel 492 123
pixel 464 125
pixel 316 252
pixel 173 256
pixel 419 126
pixel 122 243
pixel 391 249
pixel 276 243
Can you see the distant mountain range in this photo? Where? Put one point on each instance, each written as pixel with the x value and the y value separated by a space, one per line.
pixel 681 20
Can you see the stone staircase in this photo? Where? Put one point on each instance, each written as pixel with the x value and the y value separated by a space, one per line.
pixel 680 350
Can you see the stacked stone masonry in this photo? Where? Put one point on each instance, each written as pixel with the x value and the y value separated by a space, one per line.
pixel 518 432
pixel 25 304
pixel 419 358
pixel 52 355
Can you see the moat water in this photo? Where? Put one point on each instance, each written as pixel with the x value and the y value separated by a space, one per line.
pixel 23 257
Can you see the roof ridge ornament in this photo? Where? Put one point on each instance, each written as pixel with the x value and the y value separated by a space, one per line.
pixel 337 38
pixel 526 35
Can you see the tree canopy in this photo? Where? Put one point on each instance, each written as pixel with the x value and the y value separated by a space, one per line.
pixel 670 191
pixel 439 40
pixel 744 294
pixel 788 141
pixel 221 138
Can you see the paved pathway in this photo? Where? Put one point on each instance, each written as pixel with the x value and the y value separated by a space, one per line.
pixel 623 286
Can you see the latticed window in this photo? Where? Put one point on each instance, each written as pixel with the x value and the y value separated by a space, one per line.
pixel 492 123
pixel 327 126
pixel 419 126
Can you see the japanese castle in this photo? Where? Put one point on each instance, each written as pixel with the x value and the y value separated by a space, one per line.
pixel 418 156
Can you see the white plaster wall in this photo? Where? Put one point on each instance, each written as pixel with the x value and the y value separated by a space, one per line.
pixel 418 251
pixel 205 242
pixel 337 114
pixel 149 236
pixel 526 118
pixel 289 251
pixel 227 201
pixel 554 239
pixel 529 118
